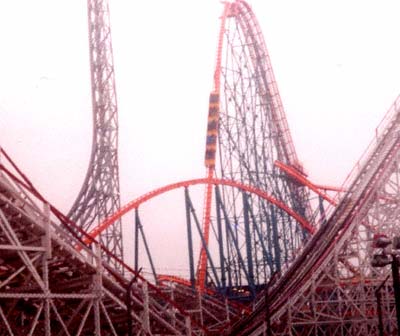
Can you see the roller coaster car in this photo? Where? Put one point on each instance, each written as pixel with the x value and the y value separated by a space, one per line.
pixel 380 260
pixel 380 241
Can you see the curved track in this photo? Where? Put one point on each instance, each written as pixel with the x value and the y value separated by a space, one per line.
pixel 261 218
pixel 148 196
pixel 59 291
pixel 247 133
pixel 335 267
pixel 99 194
pixel 266 217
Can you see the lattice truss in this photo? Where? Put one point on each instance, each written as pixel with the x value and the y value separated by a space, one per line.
pixel 49 288
pixel 330 290
pixel 253 135
pixel 99 196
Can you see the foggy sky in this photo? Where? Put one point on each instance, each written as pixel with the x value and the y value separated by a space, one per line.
pixel 336 64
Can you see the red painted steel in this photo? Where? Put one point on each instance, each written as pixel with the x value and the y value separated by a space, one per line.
pixel 292 172
pixel 209 181
pixel 202 265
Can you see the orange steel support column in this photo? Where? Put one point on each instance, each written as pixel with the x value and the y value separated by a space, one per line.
pixel 211 143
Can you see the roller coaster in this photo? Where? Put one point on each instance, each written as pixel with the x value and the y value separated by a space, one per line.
pixel 277 253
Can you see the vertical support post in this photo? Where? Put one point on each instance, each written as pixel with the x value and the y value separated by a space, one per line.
pixel 265 216
pixel 220 240
pixel 190 238
pixel 97 289
pixel 136 247
pixel 46 242
pixel 267 310
pixel 396 288
pixel 228 252
pixel 379 304
pixel 146 316
pixel 173 311
pixel 47 317
pixel 248 243
pixel 228 315
pixel 258 234
pixel 275 233
pixel 322 210
pixel 188 326
pixel 129 307
pixel 231 234
pixel 220 207
pixel 200 297
pixel 240 266
pixel 204 245
pixel 128 301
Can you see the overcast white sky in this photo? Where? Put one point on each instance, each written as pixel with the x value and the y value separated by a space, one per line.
pixel 337 64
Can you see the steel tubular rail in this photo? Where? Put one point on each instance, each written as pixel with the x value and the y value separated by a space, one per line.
pixel 73 240
pixel 250 24
pixel 135 203
pixel 254 133
pixel 360 189
pixel 316 252
pixel 99 195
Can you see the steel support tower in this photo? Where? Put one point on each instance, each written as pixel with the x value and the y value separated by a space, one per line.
pixel 247 135
pixel 332 287
pixel 99 196
pixel 53 284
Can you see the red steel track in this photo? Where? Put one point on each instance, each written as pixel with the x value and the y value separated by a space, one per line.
pixel 213 181
pixel 179 301
pixel 180 309
pixel 362 185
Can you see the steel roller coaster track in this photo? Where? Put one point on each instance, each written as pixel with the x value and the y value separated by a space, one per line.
pixel 330 289
pixel 247 133
pixel 305 273
pixel 262 213
pixel 99 196
pixel 51 283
